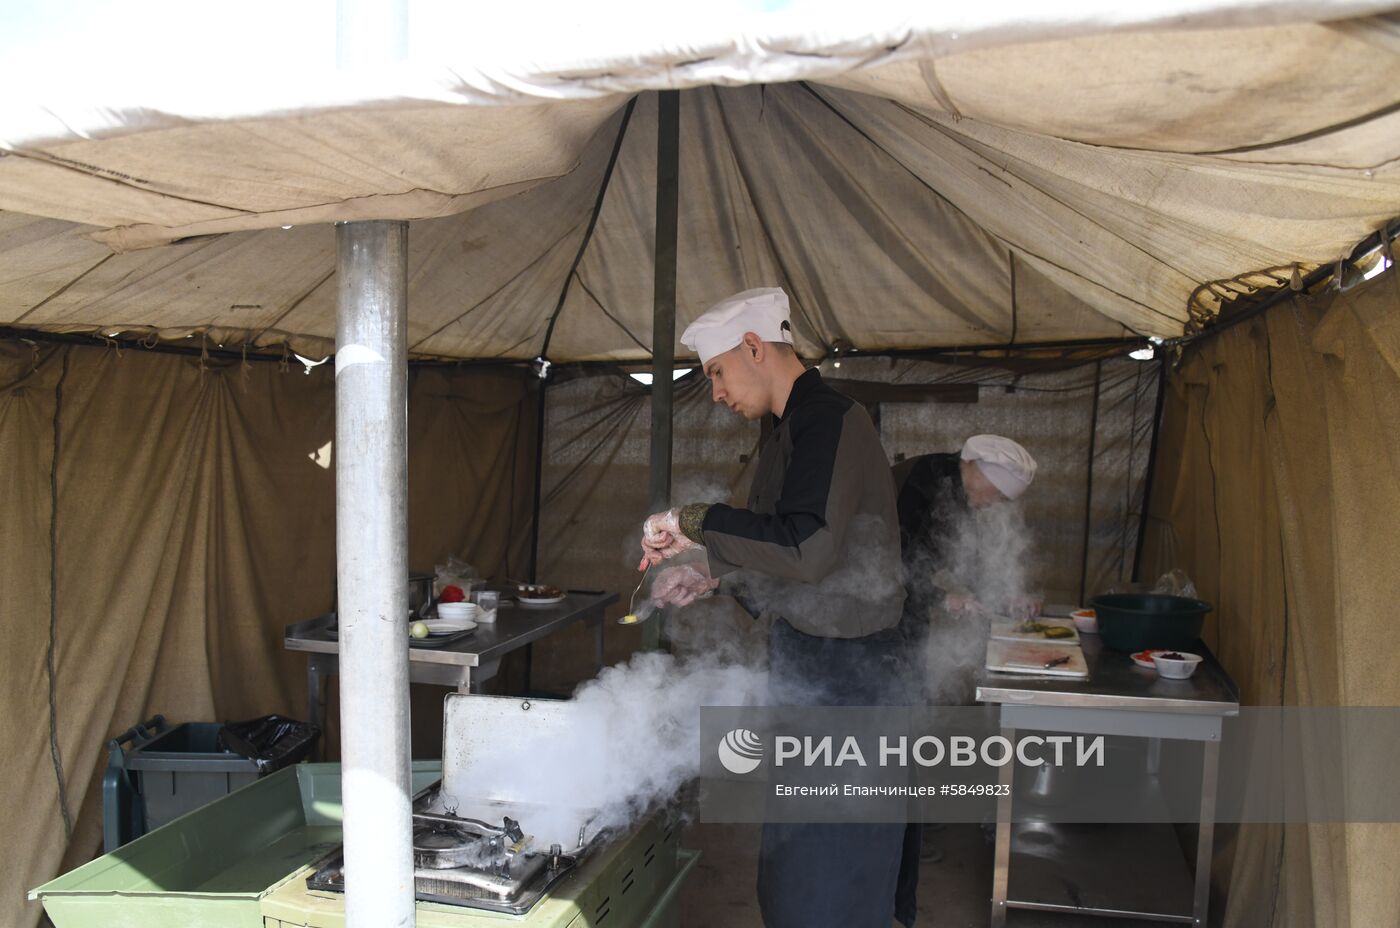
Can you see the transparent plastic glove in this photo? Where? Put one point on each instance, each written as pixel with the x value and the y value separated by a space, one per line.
pixel 681 586
pixel 962 604
pixel 1024 608
pixel 662 538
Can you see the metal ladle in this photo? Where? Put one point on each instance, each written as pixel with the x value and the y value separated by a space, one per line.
pixel 631 618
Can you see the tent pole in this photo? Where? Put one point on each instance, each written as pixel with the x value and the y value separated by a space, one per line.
pixel 371 543
pixel 1089 480
pixel 1151 468
pixel 539 483
pixel 663 317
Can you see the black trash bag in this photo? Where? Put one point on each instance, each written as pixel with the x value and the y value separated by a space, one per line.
pixel 271 742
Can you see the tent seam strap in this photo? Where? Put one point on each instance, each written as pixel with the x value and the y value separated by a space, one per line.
pixel 55 752
pixel 592 224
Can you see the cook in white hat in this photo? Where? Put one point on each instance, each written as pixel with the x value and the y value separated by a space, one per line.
pixel 995 469
pixel 745 348
pixel 821 503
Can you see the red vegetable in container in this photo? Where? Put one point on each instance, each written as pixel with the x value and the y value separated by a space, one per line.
pixel 452 594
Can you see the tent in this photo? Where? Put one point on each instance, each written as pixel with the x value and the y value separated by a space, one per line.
pixel 980 198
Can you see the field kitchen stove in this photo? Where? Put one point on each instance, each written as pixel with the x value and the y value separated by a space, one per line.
pixel 501 832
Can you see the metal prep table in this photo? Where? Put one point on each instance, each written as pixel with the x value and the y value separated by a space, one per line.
pixel 1118 698
pixel 460 664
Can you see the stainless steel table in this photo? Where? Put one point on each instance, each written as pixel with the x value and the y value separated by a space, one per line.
pixel 462 664
pixel 1118 698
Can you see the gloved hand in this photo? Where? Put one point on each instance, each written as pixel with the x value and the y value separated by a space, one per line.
pixel 1024 608
pixel 962 604
pixel 680 586
pixel 662 538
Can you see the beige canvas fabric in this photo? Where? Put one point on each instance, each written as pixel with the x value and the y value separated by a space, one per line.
pixel 195 518
pixel 597 457
pixel 1082 181
pixel 1278 497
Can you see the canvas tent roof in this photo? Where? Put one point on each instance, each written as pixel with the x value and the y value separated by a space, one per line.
pixel 974 178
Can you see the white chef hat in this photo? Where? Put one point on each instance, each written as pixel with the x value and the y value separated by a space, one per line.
pixel 1008 466
pixel 763 312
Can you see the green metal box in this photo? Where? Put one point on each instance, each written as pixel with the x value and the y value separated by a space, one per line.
pixel 213 866
pixel 242 861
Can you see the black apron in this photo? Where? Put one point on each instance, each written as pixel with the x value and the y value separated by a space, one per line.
pixel 837 874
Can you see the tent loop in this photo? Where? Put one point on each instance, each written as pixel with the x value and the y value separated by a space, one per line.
pixel 112 343
pixel 284 364
pixel 244 369
pixel 151 340
pixel 203 353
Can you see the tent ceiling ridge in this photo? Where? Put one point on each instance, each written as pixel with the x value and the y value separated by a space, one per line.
pixel 544 253
pixel 965 143
pixel 746 182
pixel 1318 133
pixel 592 224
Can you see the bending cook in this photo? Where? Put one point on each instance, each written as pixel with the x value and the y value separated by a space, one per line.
pixel 816 550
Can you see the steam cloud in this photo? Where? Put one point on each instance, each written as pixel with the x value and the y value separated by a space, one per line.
pixel 634 746
pixel 988 559
pixel 631 746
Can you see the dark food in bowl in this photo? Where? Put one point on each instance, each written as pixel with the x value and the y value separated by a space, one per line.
pixel 538 591
pixel 1171 656
pixel 1142 621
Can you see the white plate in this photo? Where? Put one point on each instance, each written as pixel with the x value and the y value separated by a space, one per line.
pixel 1031 657
pixel 449 626
pixel 538 601
pixel 1007 629
pixel 1147 661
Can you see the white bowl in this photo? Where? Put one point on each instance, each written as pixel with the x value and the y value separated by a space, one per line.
pixel 1174 669
pixel 460 611
pixel 1086 620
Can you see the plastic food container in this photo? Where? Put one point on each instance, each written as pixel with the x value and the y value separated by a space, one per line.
pixel 1086 621
pixel 1176 665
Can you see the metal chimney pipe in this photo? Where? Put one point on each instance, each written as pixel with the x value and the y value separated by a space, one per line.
pixel 371 544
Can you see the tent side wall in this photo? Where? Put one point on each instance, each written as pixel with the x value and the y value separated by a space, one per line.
pixel 1276 492
pixel 192 514
pixel 596 457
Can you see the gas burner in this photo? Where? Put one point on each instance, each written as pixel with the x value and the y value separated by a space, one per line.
pixel 468 861
pixel 443 842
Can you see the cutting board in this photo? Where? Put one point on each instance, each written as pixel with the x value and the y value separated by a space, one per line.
pixel 1006 629
pixel 1030 657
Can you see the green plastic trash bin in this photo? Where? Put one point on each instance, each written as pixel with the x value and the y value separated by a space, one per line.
pixel 157 773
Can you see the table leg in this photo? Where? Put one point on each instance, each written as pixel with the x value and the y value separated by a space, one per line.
pixel 602 623
pixel 529 665
pixel 466 685
pixel 313 693
pixel 1205 842
pixel 314 708
pixel 1002 862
